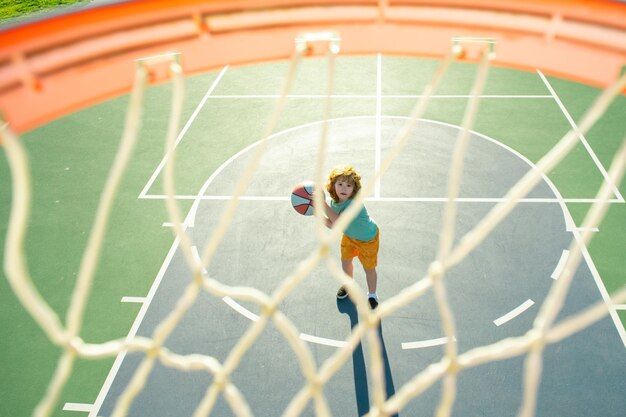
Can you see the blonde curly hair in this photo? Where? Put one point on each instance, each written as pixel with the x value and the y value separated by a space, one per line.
pixel 346 173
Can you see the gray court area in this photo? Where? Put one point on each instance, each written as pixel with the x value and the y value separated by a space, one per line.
pixel 583 376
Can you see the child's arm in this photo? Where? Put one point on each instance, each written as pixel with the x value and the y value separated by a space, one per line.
pixel 331 216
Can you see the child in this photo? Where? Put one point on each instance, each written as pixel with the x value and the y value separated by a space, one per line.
pixel 360 237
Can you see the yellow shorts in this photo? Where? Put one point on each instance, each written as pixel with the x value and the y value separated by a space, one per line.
pixel 366 251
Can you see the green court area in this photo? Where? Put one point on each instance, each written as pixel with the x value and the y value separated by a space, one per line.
pixel 225 111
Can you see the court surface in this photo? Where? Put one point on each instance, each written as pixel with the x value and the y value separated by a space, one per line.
pixel 495 293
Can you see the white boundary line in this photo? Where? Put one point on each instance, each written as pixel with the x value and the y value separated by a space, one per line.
pixel 559 267
pixel 620 306
pixel 378 122
pixel 156 173
pixel 582 138
pixel 514 313
pixel 603 292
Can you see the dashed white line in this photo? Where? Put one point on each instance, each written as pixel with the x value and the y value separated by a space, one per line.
pixel 79 407
pixel 240 309
pixel 559 267
pixel 514 313
pixel 139 300
pixel 323 340
pixel 425 343
pixel 229 301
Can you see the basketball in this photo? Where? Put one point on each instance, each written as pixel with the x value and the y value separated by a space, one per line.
pixel 302 198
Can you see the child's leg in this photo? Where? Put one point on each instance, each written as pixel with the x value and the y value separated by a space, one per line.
pixel 347 267
pixel 372 277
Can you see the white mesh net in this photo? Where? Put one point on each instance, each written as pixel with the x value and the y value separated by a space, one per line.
pixel 546 330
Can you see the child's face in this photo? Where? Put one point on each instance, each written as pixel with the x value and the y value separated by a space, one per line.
pixel 344 188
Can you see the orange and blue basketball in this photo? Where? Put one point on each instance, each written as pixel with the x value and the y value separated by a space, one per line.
pixel 302 198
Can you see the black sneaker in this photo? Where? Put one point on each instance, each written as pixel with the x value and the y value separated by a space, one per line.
pixel 373 303
pixel 342 293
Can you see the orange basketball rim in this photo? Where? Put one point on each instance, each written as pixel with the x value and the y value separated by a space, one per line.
pixel 57 65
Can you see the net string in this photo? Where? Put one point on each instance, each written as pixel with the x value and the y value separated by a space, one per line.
pixel 15 259
pixel 448 232
pixel 338 359
pixel 17 273
pixel 556 296
pixel 90 259
pixel 555 299
pixel 137 381
pixel 235 399
pixel 532 177
pixel 191 293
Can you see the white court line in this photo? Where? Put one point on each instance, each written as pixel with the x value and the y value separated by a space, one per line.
pixel 582 138
pixel 603 292
pixel 170 224
pixel 323 340
pixel 585 229
pixel 559 267
pixel 461 96
pixel 620 306
pixel 378 122
pixel 231 303
pixel 371 96
pixel 514 313
pixel 139 300
pixel 156 173
pixel 79 407
pixel 196 255
pixel 240 309
pixel 425 343
pixel 384 199
pixel 108 382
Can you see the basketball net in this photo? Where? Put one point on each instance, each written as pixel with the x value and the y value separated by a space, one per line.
pixel 545 330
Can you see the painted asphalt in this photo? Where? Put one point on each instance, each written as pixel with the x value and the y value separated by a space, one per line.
pixel 504 281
